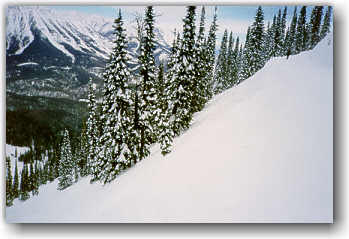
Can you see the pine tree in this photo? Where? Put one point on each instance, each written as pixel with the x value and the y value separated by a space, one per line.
pixel 200 84
pixel 9 191
pixel 325 28
pixel 84 170
pixel 257 42
pixel 245 69
pixel 234 73
pixel 314 26
pixel 90 143
pixel 301 32
pixel 164 131
pixel 115 153
pixel 24 186
pixel 148 97
pixel 230 61
pixel 66 164
pixel 181 95
pixel 35 178
pixel 16 182
pixel 277 35
pixel 290 42
pixel 211 56
pixel 221 66
pixel 283 32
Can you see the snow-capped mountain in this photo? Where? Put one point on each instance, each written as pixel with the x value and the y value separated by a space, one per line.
pixel 53 53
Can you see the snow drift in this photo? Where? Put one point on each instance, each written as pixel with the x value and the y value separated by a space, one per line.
pixel 259 152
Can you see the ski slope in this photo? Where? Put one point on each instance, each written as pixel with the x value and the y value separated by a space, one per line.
pixel 259 152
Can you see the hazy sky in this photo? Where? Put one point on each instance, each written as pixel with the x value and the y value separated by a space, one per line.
pixel 233 18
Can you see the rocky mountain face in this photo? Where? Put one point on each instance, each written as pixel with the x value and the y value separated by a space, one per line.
pixel 53 53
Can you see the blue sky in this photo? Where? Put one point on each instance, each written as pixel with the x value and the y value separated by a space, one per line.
pixel 233 18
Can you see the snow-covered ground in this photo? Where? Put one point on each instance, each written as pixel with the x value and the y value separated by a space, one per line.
pixel 259 152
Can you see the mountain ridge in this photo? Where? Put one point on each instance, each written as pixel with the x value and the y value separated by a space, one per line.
pixel 46 49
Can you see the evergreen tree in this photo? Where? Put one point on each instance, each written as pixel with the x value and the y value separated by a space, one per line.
pixel 84 154
pixel 290 42
pixel 315 24
pixel 301 32
pixel 234 73
pixel 221 66
pixel 278 36
pixel 211 56
pixel 283 31
pixel 148 97
pixel 9 192
pixel 325 28
pixel 16 182
pixel 115 153
pixel 200 84
pixel 24 195
pixel 257 42
pixel 90 143
pixel 66 164
pixel 181 95
pixel 245 69
pixel 35 178
pixel 230 61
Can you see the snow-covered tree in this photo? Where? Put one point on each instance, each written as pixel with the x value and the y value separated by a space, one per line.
pixel 90 140
pixel 290 41
pixel 325 28
pixel 66 163
pixel 24 185
pixel 234 72
pixel 283 31
pixel 200 84
pixel 246 55
pixel 16 182
pixel 148 97
pixel 9 192
pixel 180 89
pixel 221 72
pixel 301 32
pixel 314 26
pixel 257 42
pixel 115 112
pixel 211 56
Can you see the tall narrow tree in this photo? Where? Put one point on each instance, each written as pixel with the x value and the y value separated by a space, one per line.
pixel 325 28
pixel 66 163
pixel 115 112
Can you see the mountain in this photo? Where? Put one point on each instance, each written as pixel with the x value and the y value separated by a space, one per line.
pixel 259 152
pixel 53 53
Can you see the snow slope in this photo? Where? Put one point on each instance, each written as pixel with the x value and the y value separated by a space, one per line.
pixel 259 152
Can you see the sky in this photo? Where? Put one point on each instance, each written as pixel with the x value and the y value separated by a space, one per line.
pixel 233 18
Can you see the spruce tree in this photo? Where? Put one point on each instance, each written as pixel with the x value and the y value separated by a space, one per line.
pixel 245 69
pixel 221 66
pixel 9 192
pixel 148 97
pixel 115 153
pixel 211 56
pixel 325 28
pixel 278 36
pixel 16 182
pixel 290 45
pixel 181 95
pixel 234 73
pixel 283 32
pixel 257 42
pixel 199 86
pixel 24 195
pixel 315 24
pixel 66 164
pixel 230 61
pixel 35 178
pixel 84 170
pixel 301 32
pixel 90 143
